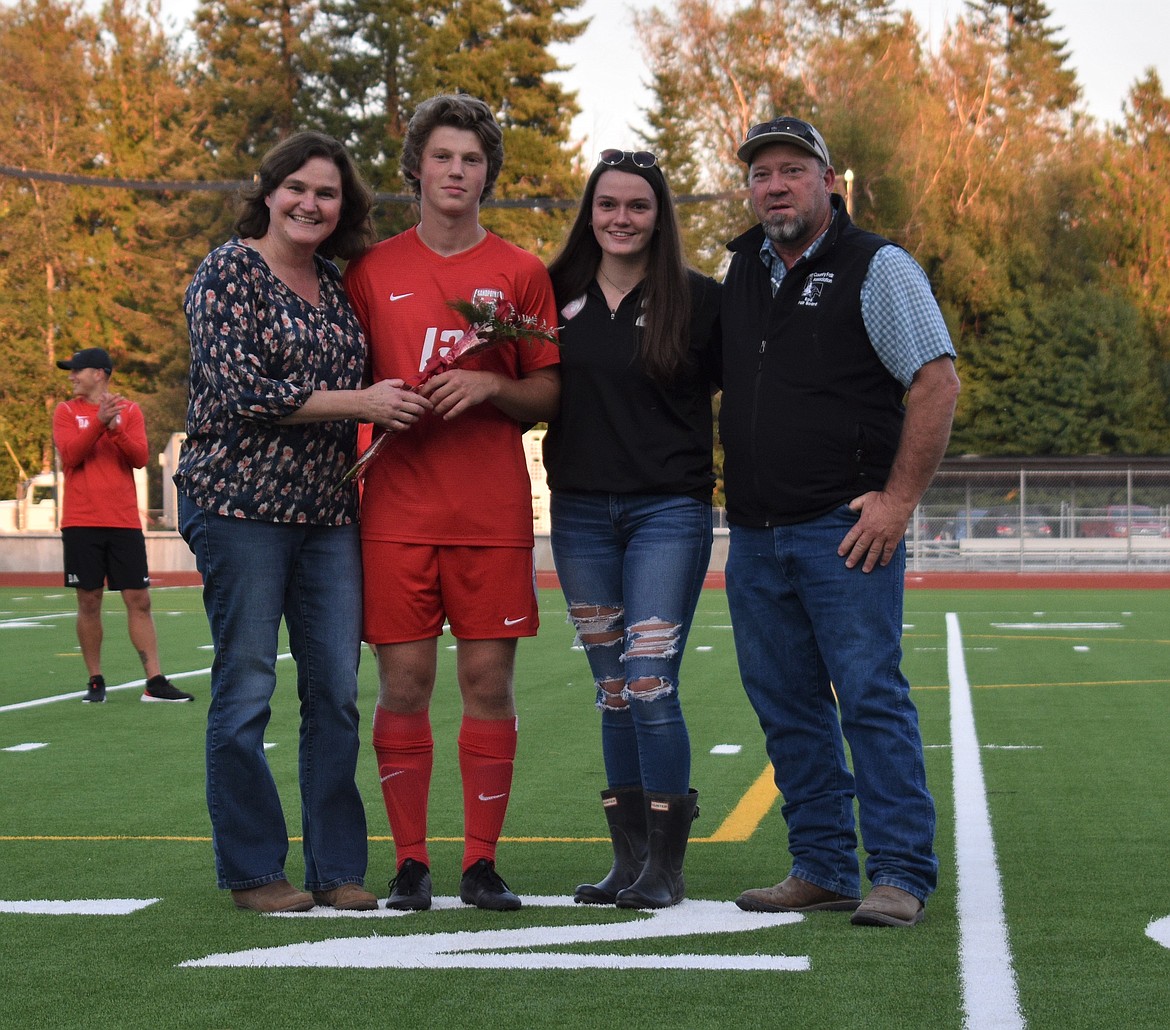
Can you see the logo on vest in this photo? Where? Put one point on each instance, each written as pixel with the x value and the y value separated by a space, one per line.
pixel 814 286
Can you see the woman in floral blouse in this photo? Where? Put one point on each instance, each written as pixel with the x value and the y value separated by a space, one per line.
pixel 276 391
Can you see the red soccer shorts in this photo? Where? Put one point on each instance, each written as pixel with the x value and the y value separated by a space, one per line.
pixel 483 593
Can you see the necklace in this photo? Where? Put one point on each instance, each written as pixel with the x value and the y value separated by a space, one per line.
pixel 623 290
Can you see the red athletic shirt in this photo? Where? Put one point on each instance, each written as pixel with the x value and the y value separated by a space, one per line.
pixel 99 464
pixel 465 481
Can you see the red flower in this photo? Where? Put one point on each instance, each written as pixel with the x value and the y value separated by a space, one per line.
pixel 489 326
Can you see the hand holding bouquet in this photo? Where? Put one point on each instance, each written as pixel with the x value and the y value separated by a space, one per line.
pixel 489 325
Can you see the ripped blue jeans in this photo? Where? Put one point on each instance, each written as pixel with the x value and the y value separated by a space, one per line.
pixel 631 567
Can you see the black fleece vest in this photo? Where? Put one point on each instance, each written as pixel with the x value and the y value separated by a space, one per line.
pixel 810 417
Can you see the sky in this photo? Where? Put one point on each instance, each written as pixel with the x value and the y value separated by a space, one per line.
pixel 1110 46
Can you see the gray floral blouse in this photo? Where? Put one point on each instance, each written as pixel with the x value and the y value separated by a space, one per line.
pixel 258 351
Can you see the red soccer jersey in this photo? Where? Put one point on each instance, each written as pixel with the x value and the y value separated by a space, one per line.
pixel 465 481
pixel 99 464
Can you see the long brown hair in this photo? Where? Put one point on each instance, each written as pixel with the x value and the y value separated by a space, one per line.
pixel 664 339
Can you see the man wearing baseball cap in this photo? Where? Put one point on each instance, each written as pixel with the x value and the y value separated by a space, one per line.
pixel 101 438
pixel 839 389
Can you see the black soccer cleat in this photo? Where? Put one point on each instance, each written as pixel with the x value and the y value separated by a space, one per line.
pixel 410 890
pixel 483 887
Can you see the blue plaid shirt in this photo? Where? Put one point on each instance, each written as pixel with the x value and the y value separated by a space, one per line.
pixel 898 308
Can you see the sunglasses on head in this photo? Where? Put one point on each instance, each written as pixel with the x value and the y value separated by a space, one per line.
pixel 793 126
pixel 638 158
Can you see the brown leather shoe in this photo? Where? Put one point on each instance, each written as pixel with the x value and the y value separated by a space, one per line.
pixel 349 897
pixel 888 906
pixel 795 895
pixel 277 896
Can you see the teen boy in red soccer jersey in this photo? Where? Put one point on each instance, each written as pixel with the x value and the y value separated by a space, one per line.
pixel 101 438
pixel 447 505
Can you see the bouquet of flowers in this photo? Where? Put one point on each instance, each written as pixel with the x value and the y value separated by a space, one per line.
pixel 489 325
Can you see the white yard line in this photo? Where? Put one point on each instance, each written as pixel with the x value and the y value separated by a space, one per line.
pixel 990 994
pixel 75 695
pixel 34 621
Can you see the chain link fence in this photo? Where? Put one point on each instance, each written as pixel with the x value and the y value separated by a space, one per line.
pixel 1078 515
pixel 1055 515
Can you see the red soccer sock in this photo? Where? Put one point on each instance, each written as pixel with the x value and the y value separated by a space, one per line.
pixel 405 750
pixel 487 753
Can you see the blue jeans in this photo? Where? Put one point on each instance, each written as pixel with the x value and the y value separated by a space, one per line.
pixel 255 574
pixel 632 567
pixel 806 626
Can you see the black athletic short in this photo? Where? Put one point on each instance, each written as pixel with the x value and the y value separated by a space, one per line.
pixel 97 556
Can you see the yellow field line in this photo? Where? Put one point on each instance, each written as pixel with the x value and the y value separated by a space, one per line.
pixel 1050 683
pixel 745 818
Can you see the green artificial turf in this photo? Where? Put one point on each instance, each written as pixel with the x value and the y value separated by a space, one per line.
pixel 1073 723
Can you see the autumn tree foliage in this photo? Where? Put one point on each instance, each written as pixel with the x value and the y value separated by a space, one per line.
pixel 104 93
pixel 89 95
pixel 1046 235
pixel 978 158
pixel 1136 195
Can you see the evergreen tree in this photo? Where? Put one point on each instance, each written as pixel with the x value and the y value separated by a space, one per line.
pixel 390 56
pixel 248 78
pixel 1135 198
pixel 84 97
pixel 1090 393
pixel 44 49
pixel 144 116
pixel 1029 60
pixel 253 60
pixel 363 94
pixel 1133 214
pixel 1004 120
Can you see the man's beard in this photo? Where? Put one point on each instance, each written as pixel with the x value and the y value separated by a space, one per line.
pixel 787 229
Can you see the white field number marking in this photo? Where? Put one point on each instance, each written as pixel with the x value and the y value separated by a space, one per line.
pixel 84 907
pixel 497 949
pixel 1159 930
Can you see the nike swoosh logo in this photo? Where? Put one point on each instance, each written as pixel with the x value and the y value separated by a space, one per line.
pixel 492 797
pixel 391 775
pixel 399 296
pixel 512 622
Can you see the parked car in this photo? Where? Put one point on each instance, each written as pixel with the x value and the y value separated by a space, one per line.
pixel 1123 520
pixel 936 528
pixel 1001 523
